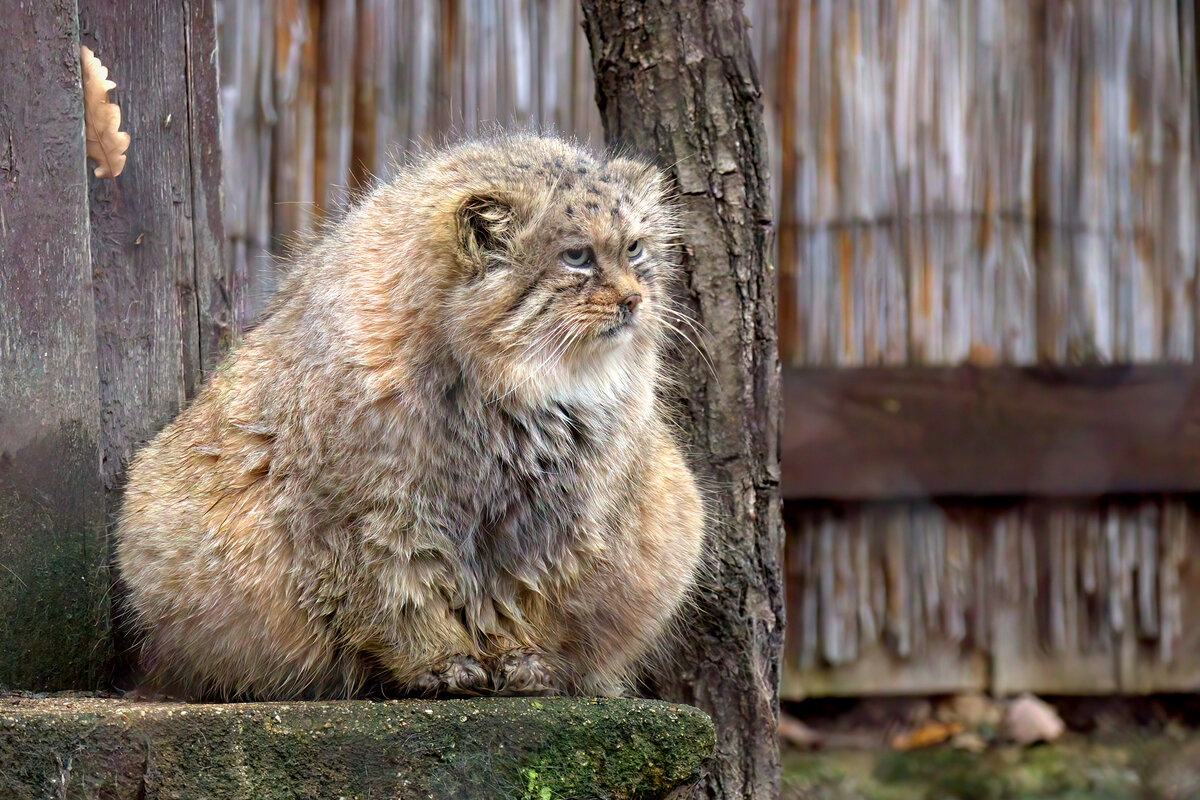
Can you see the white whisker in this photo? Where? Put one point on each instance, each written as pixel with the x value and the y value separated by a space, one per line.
pixel 700 352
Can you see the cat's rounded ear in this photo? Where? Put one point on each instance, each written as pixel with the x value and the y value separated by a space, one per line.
pixel 486 226
pixel 649 181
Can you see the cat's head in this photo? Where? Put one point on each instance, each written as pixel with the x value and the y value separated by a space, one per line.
pixel 561 268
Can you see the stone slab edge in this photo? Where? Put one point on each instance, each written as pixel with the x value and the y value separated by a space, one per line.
pixel 532 749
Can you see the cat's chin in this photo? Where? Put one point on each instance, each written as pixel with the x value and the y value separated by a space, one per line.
pixel 602 371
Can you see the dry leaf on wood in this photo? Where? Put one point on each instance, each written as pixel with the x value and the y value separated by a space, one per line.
pixel 106 143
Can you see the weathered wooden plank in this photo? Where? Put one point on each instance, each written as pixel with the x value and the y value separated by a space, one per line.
pixel 878 601
pixel 294 194
pixel 941 669
pixel 367 96
pixel 321 96
pixel 1038 641
pixel 1115 260
pixel 247 56
pixel 1115 182
pixel 1066 597
pixel 919 432
pixel 53 585
pixel 1168 662
pixel 906 220
pixel 144 246
pixel 783 113
pixel 220 282
pixel 337 34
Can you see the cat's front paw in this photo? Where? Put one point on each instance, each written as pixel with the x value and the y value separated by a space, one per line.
pixel 524 672
pixel 460 675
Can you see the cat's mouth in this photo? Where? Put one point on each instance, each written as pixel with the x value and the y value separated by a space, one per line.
pixel 621 326
pixel 623 322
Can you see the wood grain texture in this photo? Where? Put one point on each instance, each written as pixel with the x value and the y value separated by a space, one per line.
pixel 143 231
pixel 996 182
pixel 219 281
pixel 676 80
pixel 921 432
pixel 1002 184
pixel 294 132
pixel 166 305
pixel 53 586
pixel 246 35
pixel 1007 595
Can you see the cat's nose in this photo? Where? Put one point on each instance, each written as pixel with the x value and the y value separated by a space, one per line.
pixel 631 302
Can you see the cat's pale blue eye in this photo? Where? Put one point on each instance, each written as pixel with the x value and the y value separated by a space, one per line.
pixel 635 250
pixel 578 257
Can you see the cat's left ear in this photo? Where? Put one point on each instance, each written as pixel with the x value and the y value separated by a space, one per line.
pixel 644 176
pixel 486 224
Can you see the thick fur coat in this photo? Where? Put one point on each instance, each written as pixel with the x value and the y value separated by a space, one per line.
pixel 439 460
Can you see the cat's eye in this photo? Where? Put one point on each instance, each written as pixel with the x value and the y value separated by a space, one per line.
pixel 634 251
pixel 578 257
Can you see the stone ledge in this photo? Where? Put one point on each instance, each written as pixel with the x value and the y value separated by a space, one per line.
pixel 524 748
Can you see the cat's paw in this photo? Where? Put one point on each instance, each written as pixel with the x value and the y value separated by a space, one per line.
pixel 460 675
pixel 523 672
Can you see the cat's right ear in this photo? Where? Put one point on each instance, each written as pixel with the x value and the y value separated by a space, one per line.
pixel 486 225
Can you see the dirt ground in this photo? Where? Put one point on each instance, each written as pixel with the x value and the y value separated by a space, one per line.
pixel 1143 749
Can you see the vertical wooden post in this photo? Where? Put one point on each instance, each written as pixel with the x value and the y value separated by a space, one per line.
pixel 219 282
pixel 106 318
pixel 166 304
pixel 53 588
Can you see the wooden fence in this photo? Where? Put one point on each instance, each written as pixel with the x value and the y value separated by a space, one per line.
pixel 974 186
pixel 320 96
pixel 986 214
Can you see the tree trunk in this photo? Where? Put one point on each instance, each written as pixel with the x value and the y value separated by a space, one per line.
pixel 676 80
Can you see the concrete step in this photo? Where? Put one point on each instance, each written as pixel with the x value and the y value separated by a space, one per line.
pixel 526 748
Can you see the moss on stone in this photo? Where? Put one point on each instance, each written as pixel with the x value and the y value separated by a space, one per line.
pixel 541 749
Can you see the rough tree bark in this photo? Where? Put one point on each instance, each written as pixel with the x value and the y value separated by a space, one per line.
pixel 676 80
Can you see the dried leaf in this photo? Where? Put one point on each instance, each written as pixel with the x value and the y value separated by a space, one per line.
pixel 106 143
pixel 927 735
pixel 982 355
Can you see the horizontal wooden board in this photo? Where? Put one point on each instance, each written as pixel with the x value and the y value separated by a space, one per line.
pixel 913 432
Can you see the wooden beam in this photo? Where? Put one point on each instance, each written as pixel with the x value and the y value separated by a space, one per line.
pixel 875 433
